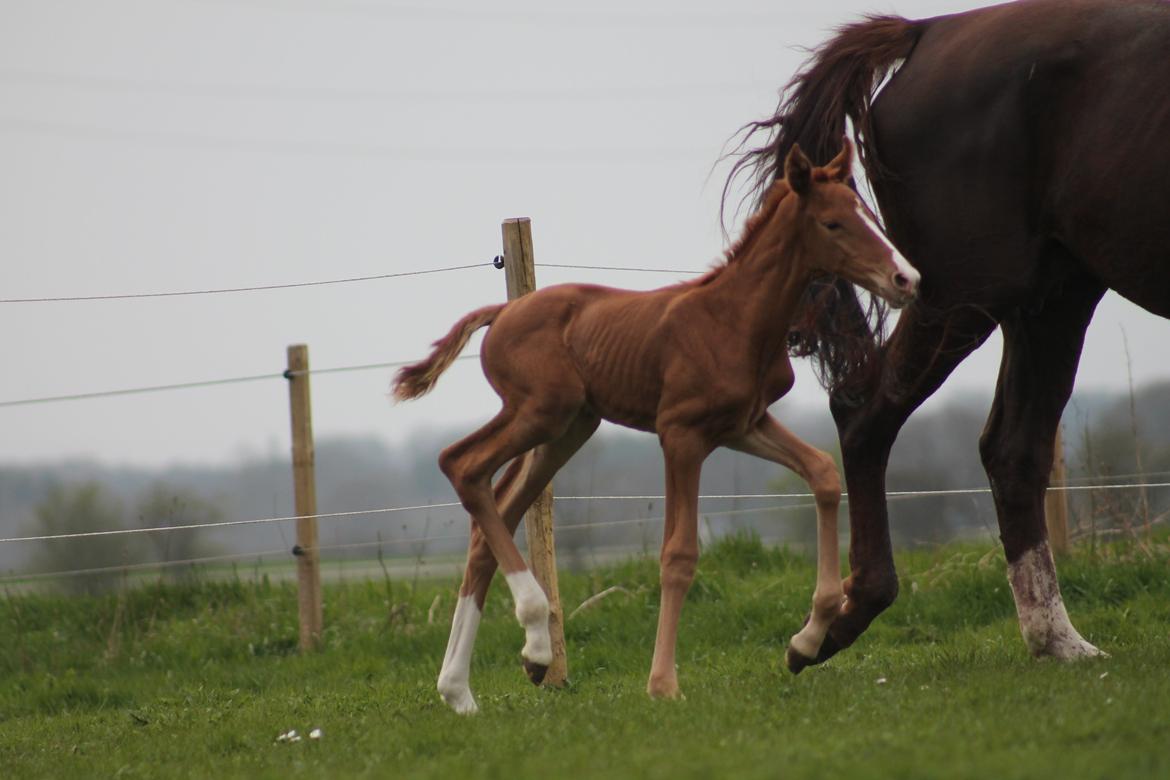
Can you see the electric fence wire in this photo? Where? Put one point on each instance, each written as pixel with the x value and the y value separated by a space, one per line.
pixel 212 382
pixel 254 288
pixel 349 280
pixel 893 494
pixel 285 375
pixel 564 528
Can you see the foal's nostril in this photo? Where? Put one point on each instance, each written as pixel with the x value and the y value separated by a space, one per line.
pixel 902 282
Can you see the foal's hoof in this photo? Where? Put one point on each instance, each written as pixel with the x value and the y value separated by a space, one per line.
pixel 535 672
pixel 795 661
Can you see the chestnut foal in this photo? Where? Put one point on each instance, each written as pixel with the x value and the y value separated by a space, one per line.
pixel 698 363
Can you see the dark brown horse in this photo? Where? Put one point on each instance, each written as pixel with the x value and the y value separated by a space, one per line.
pixel 697 363
pixel 1019 156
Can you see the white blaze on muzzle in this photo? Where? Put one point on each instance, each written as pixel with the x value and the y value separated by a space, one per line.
pixel 901 264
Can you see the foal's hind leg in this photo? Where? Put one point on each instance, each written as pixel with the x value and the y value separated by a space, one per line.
pixel 772 441
pixel 1040 355
pixel 454 677
pixel 521 483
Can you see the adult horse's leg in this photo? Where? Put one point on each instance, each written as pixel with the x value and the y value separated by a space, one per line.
pixel 515 491
pixel 1040 354
pixel 684 454
pixel 469 464
pixel 922 352
pixel 772 441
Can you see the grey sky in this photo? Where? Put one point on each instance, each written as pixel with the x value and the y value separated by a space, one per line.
pixel 192 144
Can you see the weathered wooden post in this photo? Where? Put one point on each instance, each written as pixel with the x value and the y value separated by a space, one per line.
pixel 1056 501
pixel 520 276
pixel 305 489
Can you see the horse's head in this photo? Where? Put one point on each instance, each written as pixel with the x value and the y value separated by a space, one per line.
pixel 840 232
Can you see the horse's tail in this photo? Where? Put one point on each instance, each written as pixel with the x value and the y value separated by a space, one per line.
pixel 838 82
pixel 417 379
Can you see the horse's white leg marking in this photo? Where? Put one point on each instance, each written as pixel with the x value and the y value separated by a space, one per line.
pixel 776 443
pixel 453 679
pixel 1043 619
pixel 829 596
pixel 532 612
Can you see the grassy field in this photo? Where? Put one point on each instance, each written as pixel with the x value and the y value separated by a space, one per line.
pixel 198 680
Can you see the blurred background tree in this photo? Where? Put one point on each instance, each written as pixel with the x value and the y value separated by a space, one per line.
pixel 77 509
pixel 165 505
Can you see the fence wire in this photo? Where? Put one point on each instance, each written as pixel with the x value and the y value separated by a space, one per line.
pixel 213 382
pixel 494 263
pixel 452 504
pixel 256 288
pixel 896 495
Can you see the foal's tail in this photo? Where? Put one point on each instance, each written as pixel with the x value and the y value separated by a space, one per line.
pixel 415 380
pixel 838 82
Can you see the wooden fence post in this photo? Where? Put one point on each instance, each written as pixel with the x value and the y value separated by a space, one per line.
pixel 1056 501
pixel 520 276
pixel 305 488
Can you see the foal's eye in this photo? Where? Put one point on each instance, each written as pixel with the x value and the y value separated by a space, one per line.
pixel 830 226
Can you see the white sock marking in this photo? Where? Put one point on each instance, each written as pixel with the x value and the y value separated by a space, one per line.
pixel 456 672
pixel 532 612
pixel 809 639
pixel 1043 619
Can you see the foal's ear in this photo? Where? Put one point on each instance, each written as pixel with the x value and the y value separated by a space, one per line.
pixel 798 171
pixel 840 168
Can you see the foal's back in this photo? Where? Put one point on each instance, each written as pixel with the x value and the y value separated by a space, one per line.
pixel 581 345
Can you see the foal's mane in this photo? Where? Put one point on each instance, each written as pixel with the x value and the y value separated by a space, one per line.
pixel 751 230
pixel 756 221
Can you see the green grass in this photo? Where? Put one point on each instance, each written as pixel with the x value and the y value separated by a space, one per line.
pixel 198 680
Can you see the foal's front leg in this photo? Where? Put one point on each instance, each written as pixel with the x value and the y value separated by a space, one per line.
pixel 772 441
pixel 684 456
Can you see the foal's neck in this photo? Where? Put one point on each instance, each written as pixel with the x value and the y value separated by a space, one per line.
pixel 765 279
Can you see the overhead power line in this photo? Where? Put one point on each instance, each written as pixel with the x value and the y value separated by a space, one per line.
pixel 300 92
pixel 139 138
pixel 669 19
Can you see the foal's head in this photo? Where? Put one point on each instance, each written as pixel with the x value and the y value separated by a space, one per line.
pixel 840 232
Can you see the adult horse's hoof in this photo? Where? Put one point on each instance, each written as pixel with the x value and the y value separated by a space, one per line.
pixel 1073 648
pixel 535 672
